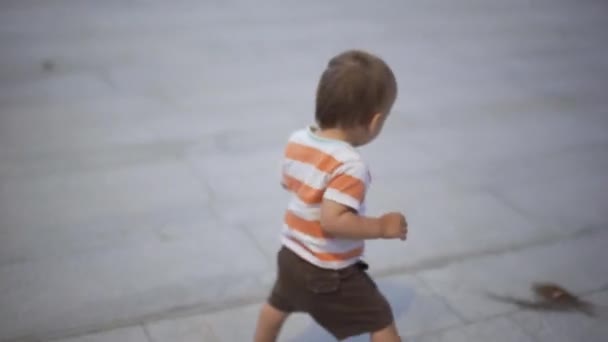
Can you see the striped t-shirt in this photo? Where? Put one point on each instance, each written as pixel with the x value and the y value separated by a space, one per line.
pixel 313 169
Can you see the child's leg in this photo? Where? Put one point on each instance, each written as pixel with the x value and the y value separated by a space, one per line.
pixel 270 322
pixel 388 334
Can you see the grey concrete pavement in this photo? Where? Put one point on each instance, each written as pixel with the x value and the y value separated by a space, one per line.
pixel 139 143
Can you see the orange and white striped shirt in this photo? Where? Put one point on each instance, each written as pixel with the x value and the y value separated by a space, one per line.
pixel 313 169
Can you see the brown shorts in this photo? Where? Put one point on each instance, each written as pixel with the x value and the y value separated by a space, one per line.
pixel 345 302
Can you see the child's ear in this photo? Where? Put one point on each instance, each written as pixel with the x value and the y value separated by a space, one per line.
pixel 376 122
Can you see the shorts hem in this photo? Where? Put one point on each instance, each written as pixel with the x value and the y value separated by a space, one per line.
pixel 277 305
pixel 360 332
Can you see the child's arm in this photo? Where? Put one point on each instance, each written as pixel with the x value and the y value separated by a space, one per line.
pixel 343 222
pixel 341 202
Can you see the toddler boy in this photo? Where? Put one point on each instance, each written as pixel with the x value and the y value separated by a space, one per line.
pixel 320 271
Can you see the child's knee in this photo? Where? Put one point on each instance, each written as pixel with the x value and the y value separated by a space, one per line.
pixel 270 322
pixel 272 316
pixel 388 334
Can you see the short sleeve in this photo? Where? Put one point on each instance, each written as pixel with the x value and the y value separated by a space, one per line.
pixel 348 185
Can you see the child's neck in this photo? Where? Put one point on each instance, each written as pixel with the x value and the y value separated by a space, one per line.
pixel 336 134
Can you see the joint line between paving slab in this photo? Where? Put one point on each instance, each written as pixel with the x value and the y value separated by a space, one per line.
pixel 211 205
pixel 205 186
pixel 144 327
pixel 452 327
pixel 509 316
pixel 509 204
pixel 105 77
pixel 255 242
pixel 443 300
pixel 461 257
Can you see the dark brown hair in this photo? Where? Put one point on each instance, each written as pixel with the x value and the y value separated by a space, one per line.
pixel 354 86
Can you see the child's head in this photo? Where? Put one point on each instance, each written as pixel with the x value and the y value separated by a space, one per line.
pixel 355 94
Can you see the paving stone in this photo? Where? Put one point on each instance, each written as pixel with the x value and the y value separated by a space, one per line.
pixel 189 329
pixel 134 334
pixel 244 183
pixel 562 327
pixel 60 212
pixel 223 324
pixel 443 222
pixel 417 309
pixel 103 123
pixel 184 264
pixel 246 177
pixel 395 157
pixel 583 161
pixel 497 329
pixel 572 263
pixel 220 326
pixel 565 204
pixel 54 90
pixel 508 137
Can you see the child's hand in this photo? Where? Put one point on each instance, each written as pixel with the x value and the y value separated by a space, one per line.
pixel 393 225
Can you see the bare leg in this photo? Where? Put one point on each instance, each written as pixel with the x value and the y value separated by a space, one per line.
pixel 270 323
pixel 388 334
